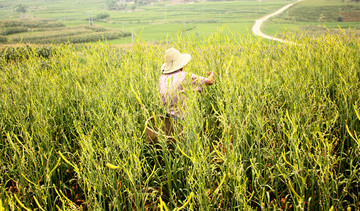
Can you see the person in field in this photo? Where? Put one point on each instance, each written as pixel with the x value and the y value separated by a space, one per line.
pixel 176 85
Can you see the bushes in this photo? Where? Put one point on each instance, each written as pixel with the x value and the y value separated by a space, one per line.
pixel 17 54
pixel 14 30
pixel 95 37
pixel 21 8
pixel 72 38
pixel 12 23
pixel 102 16
pixel 340 19
pixel 32 24
pixel 3 39
pixel 96 29
pixel 47 32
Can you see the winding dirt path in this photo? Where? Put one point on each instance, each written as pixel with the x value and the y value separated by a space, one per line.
pixel 256 29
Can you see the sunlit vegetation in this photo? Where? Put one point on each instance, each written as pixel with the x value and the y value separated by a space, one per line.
pixel 47 32
pixel 154 21
pixel 279 129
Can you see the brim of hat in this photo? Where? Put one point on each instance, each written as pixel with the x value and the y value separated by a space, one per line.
pixel 178 64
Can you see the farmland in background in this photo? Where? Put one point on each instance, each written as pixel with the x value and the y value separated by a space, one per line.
pixel 156 21
pixel 316 18
pixel 46 32
pixel 153 22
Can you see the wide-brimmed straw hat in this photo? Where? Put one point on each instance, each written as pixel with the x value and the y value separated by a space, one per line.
pixel 174 60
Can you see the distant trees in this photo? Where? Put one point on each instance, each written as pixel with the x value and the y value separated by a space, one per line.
pixel 116 4
pixel 21 8
pixel 141 2
pixel 126 4
pixel 102 16
pixel 3 39
pixel 110 4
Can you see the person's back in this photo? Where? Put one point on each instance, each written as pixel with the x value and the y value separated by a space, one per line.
pixel 175 83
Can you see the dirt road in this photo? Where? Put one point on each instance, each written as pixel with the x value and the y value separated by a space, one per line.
pixel 256 29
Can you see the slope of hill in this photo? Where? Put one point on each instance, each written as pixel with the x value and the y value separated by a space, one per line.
pixel 316 18
pixel 325 11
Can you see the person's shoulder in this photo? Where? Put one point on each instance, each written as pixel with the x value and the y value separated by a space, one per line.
pixel 186 74
pixel 162 77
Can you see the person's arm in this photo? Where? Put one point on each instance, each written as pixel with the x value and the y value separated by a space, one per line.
pixel 210 79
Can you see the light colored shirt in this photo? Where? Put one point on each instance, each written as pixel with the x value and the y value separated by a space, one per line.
pixel 173 88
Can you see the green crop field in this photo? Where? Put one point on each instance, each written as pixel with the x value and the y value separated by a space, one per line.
pixel 152 22
pixel 316 18
pixel 278 130
pixel 160 20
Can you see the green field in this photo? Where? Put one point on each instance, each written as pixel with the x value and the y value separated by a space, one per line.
pixel 278 130
pixel 162 20
pixel 153 22
pixel 316 18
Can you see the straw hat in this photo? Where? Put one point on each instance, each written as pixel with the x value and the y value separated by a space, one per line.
pixel 174 60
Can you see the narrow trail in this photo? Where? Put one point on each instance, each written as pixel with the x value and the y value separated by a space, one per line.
pixel 256 29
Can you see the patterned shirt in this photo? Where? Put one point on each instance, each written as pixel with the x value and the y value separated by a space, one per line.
pixel 174 87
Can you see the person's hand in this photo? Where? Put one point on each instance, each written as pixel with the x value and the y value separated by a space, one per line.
pixel 210 79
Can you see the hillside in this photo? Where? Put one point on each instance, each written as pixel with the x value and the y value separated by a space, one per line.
pixel 325 11
pixel 316 18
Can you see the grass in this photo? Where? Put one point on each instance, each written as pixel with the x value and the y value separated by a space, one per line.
pixel 278 129
pixel 315 17
pixel 311 29
pixel 322 11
